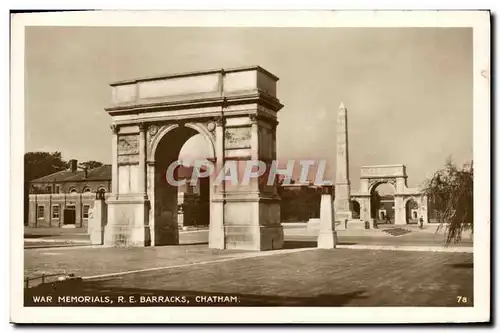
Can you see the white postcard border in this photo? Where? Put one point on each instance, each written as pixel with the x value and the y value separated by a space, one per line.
pixel 478 20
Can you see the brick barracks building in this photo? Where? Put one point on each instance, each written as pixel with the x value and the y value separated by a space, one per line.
pixel 64 198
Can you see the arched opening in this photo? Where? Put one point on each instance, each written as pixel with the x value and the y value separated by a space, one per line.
pixel 356 210
pixel 180 203
pixel 411 212
pixel 382 203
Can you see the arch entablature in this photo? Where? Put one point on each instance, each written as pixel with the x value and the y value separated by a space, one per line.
pixel 372 176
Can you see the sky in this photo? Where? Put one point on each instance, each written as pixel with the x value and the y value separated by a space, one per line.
pixel 408 91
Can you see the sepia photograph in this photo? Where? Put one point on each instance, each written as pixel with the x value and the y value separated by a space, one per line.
pixel 281 166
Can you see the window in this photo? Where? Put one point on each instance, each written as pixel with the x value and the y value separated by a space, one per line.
pixel 72 190
pixel 57 189
pixel 86 209
pixel 40 212
pixel 101 193
pixel 86 190
pixel 55 211
pixel 414 215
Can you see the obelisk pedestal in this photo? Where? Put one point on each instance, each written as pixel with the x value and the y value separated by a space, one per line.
pixel 327 238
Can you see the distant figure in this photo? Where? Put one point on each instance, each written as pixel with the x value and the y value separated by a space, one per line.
pixel 387 219
pixel 421 222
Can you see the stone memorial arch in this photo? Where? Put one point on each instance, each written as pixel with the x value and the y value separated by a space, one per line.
pixel 395 175
pixel 235 111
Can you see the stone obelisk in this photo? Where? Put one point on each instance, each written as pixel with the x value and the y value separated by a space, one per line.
pixel 342 185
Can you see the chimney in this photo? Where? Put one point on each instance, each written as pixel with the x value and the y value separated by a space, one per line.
pixel 73 165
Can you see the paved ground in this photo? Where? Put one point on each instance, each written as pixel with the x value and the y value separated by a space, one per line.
pixel 50 237
pixel 298 277
pixel 89 260
pixel 406 240
pixel 58 237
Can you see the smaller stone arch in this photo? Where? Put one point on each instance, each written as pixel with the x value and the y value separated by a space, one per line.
pixel 411 198
pixel 355 208
pixel 87 189
pixel 412 209
pixel 73 190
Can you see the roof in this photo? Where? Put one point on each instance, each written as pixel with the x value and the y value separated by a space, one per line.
pixel 59 176
pixel 201 72
pixel 100 173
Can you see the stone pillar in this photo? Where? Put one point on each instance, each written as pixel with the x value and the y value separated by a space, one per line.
pixel 364 186
pixel 400 185
pixel 97 222
pixel 251 212
pixel 399 210
pixel 216 233
pixel 424 208
pixel 342 183
pixel 150 185
pixel 364 211
pixel 274 155
pixel 128 212
pixel 180 210
pixel 327 238
pixel 114 166
pixel 254 141
pixel 142 160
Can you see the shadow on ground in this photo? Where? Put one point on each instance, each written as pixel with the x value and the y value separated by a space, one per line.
pixel 299 244
pixel 288 245
pixel 98 294
pixel 468 265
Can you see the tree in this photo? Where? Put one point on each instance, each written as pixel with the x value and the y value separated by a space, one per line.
pixel 36 165
pixel 39 164
pixel 450 194
pixel 90 165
